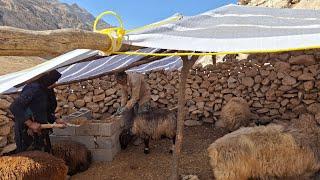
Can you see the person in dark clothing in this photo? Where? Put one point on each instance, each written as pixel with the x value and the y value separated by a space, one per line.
pixel 35 105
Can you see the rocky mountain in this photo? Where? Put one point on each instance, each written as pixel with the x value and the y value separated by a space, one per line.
pixel 44 15
pixel 296 4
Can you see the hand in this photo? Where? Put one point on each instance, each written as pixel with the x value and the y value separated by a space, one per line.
pixel 59 121
pixel 34 126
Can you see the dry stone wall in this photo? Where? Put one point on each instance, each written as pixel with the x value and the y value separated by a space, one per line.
pixel 276 86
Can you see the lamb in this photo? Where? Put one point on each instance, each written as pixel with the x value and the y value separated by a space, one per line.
pixel 273 151
pixel 76 155
pixel 234 114
pixel 32 165
pixel 153 124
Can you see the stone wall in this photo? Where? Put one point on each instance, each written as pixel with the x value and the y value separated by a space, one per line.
pixel 277 86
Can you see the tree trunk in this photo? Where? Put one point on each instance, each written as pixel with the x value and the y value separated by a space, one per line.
pixel 51 43
pixel 187 64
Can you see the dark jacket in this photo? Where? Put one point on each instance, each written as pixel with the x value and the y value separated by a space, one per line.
pixel 36 101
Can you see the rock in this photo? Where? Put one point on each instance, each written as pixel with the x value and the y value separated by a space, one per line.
pixel 302 60
pixel 251 72
pixel 4 104
pixel 189 177
pixel 98 98
pixel 306 77
pixel 109 92
pixel 282 66
pixel 3 141
pixel 8 148
pixel 155 97
pixel 247 81
pixel 314 108
pixel 79 103
pixel 87 99
pixel 94 107
pixel 98 91
pixel 5 129
pixel 191 123
pixel 270 95
pixel 308 85
pixel 72 97
pixel 289 81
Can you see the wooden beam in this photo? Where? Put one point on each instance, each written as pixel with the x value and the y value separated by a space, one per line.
pixel 51 43
pixel 187 65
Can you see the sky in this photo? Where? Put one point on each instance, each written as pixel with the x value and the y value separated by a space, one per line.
pixel 136 13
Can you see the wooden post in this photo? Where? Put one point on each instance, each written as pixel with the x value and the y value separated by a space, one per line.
pixel 187 65
pixel 51 43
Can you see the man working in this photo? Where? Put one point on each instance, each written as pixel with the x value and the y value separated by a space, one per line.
pixel 135 84
pixel 35 106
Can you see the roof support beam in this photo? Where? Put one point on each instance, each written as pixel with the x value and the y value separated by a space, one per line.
pixel 51 43
pixel 187 65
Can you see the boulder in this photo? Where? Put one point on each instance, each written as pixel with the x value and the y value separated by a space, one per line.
pixel 302 60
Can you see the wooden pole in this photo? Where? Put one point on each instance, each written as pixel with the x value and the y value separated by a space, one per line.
pixel 187 65
pixel 51 43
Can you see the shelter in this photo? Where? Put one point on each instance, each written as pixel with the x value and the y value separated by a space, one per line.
pixel 226 30
pixel 230 29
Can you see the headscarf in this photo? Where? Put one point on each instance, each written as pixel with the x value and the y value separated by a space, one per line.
pixel 49 78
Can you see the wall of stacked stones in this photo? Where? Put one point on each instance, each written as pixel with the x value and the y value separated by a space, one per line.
pixel 277 86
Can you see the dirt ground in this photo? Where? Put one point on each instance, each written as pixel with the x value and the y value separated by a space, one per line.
pixel 14 64
pixel 133 164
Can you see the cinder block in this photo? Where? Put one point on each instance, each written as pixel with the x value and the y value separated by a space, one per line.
pixel 88 141
pixel 90 129
pixel 104 154
pixel 55 138
pixel 68 131
pixel 108 129
pixel 107 142
pixel 104 143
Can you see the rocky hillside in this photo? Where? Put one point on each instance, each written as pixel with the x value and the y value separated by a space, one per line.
pixel 297 4
pixel 43 15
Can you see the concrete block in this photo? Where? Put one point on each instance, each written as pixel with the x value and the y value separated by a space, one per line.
pixel 108 129
pixel 98 129
pixel 91 129
pixel 68 131
pixel 107 142
pixel 88 141
pixel 104 154
pixel 55 138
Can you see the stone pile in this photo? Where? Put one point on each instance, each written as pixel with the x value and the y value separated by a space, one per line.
pixel 7 142
pixel 279 85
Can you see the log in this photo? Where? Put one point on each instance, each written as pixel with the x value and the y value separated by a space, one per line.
pixel 187 65
pixel 50 43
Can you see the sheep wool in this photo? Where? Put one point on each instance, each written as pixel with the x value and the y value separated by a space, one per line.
pixel 234 114
pixel 32 165
pixel 76 155
pixel 261 152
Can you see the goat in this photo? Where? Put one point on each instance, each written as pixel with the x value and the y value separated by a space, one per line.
pixel 153 124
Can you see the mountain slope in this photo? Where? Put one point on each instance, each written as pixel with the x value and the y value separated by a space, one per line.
pixel 296 4
pixel 44 15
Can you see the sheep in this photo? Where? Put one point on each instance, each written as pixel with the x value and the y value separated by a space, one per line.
pixel 153 124
pixel 234 114
pixel 76 155
pixel 273 151
pixel 32 165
